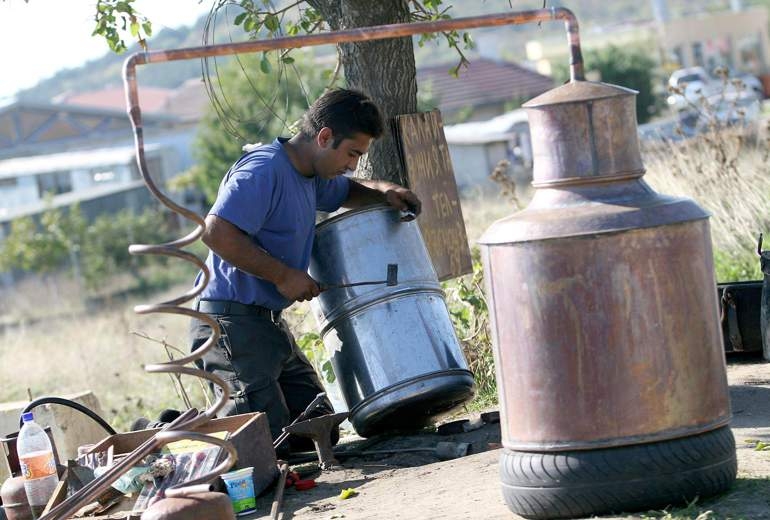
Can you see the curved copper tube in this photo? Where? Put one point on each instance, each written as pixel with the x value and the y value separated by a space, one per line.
pixel 380 32
pixel 191 418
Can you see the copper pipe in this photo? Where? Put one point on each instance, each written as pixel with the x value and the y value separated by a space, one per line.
pixel 380 32
pixel 191 420
pixel 178 429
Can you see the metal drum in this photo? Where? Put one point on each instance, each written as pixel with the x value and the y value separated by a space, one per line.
pixel 393 348
pixel 604 321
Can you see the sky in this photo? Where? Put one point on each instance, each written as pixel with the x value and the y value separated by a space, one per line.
pixel 41 37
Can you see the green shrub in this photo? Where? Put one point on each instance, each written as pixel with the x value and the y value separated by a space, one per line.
pixel 95 252
pixel 248 109
pixel 470 316
pixel 629 66
pixel 731 267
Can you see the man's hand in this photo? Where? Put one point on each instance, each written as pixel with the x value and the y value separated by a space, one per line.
pixel 404 200
pixel 296 285
pixel 368 191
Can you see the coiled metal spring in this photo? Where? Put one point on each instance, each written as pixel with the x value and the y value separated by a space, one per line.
pixel 181 427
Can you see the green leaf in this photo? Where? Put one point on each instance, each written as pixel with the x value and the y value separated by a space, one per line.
pixel 240 18
pixel 288 60
pixel 147 27
pixel 134 29
pixel 264 64
pixel 272 23
pixel 328 371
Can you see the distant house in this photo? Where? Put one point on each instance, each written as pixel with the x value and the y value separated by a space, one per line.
pixel 84 155
pixel 484 89
pixel 737 39
pixel 477 147
pixel 186 103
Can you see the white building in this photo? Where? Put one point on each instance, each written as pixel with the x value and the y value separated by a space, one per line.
pixel 477 147
pixel 58 155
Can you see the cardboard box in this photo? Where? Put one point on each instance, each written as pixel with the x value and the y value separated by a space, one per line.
pixel 249 434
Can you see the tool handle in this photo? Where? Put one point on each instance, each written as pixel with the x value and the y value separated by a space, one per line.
pixel 275 509
pixel 325 287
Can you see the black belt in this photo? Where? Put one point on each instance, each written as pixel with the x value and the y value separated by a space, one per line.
pixel 236 309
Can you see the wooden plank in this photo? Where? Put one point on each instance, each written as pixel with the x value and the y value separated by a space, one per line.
pixel 425 156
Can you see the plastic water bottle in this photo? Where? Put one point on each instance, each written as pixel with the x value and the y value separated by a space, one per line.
pixel 38 466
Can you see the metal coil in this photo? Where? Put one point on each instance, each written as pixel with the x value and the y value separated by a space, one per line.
pixel 181 427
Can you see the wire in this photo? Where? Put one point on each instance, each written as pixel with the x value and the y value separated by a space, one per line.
pixel 72 404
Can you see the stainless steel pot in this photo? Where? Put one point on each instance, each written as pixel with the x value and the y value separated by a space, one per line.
pixel 393 349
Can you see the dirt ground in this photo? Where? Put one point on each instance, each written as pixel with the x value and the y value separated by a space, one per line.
pixel 417 485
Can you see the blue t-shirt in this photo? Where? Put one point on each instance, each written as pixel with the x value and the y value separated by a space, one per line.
pixel 275 205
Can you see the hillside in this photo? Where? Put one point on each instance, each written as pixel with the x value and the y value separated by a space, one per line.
pixel 595 16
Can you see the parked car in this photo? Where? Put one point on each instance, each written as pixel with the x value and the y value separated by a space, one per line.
pixel 752 84
pixel 691 86
pixel 688 76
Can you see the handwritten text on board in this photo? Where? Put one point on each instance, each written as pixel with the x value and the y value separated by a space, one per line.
pixel 431 177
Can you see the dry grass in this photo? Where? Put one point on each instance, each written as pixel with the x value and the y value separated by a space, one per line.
pixel 727 173
pixel 80 350
pixel 480 211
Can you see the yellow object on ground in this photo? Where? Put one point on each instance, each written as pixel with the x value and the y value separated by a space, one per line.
pixel 347 493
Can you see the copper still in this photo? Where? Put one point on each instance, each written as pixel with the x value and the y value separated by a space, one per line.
pixel 604 320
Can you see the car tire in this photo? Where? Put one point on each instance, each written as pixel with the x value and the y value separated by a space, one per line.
pixel 574 484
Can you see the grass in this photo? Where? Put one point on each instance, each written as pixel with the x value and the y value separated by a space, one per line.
pixel 744 501
pixel 59 346
pixel 691 512
pixel 726 171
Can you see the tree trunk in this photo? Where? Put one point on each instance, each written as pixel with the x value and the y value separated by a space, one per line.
pixel 383 69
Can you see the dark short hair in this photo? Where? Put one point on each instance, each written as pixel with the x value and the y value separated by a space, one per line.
pixel 346 112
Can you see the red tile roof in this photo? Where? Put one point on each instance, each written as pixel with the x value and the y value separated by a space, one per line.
pixel 189 101
pixel 151 99
pixel 483 82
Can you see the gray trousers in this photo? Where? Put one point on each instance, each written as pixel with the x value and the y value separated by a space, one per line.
pixel 264 369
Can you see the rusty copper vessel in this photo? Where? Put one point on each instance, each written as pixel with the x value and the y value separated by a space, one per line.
pixel 603 294
pixel 605 326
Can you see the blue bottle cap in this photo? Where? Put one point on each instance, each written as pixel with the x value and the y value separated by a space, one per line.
pixel 27 417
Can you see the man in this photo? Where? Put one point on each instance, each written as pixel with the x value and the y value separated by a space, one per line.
pixel 260 232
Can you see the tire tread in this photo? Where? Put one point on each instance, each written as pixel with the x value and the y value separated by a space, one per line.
pixel 544 485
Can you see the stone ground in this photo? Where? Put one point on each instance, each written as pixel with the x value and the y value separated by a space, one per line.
pixel 417 485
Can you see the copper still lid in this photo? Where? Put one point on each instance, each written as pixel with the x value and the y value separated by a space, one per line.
pixel 587 169
pixel 578 92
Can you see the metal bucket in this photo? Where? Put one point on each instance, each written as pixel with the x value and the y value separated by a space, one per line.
pixel 393 348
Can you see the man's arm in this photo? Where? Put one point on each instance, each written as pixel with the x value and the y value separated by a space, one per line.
pixel 363 192
pixel 235 246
